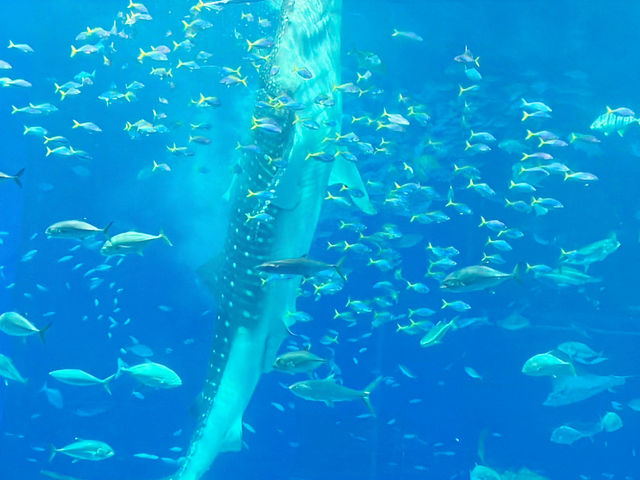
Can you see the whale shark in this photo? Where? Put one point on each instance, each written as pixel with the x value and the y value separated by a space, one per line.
pixel 251 316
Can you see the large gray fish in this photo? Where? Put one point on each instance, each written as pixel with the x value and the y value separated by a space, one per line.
pixel 566 276
pixel 92 450
pixel 594 252
pixel 302 266
pixel 572 389
pixel 476 277
pixel 300 361
pixel 77 229
pixel 328 391
pixel 252 319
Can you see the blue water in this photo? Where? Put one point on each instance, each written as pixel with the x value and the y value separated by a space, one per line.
pixel 575 57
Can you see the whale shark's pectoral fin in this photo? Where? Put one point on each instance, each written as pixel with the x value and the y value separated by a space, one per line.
pixel 233 439
pixel 208 272
pixel 346 173
pixel 279 332
pixel 226 196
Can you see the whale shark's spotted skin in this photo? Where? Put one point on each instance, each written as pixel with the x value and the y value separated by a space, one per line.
pixel 250 324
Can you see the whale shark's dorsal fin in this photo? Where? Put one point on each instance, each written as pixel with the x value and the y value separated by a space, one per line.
pixel 347 173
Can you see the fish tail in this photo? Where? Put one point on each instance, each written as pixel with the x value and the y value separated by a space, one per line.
pixel 74 50
pixel 105 230
pixel 165 238
pixel 517 273
pixel 16 177
pixel 106 383
pixel 121 368
pixel 52 452
pixel 42 332
pixel 367 392
pixel 337 268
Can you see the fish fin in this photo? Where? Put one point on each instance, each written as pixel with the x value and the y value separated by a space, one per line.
pixel 121 366
pixel 105 230
pixel 516 273
pixel 52 452
pixel 42 331
pixel 16 177
pixel 272 343
pixel 347 173
pixel 367 391
pixel 227 194
pixel 106 383
pixel 328 403
pixel 287 191
pixel 165 238
pixel 338 268
pixel 369 406
pixel 233 439
pixel 208 272
pixel 481 445
pixel 369 388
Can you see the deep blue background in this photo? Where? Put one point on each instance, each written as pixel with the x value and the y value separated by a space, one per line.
pixel 575 56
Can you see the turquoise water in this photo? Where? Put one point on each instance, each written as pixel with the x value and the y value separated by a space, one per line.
pixel 440 409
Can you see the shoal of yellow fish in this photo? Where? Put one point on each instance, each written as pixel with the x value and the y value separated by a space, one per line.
pixel 403 191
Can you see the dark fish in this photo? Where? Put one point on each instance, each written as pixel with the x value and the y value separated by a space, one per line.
pixel 200 139
pixel 475 277
pixel 303 266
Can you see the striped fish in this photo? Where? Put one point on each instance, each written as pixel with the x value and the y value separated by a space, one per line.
pixel 610 122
